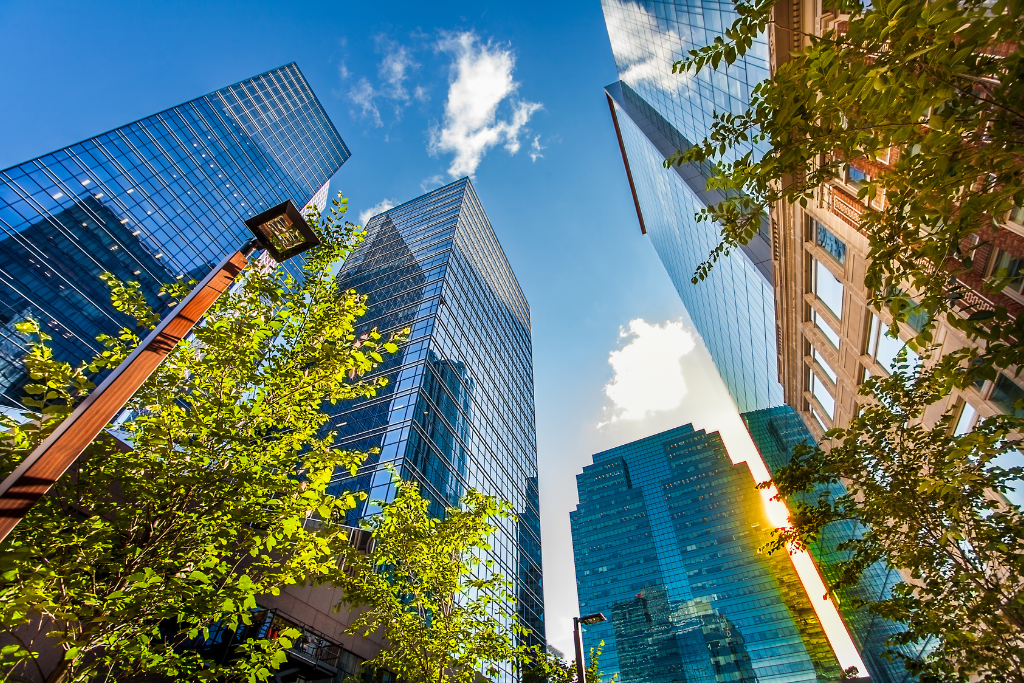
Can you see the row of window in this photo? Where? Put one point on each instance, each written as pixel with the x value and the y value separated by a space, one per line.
pixel 883 349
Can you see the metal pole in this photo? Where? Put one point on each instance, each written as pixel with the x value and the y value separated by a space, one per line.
pixel 581 669
pixel 39 471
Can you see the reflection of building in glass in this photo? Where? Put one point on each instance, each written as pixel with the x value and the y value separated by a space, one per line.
pixel 775 432
pixel 712 647
pixel 437 451
pixel 162 198
pixel 666 539
pixel 645 639
pixel 655 113
pixel 458 410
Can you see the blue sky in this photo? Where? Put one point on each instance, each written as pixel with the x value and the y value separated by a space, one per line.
pixel 422 93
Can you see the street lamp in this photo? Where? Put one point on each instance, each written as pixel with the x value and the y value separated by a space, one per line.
pixel 282 231
pixel 577 634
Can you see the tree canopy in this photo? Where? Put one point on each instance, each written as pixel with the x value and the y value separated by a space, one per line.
pixel 923 496
pixel 924 98
pixel 447 614
pixel 201 500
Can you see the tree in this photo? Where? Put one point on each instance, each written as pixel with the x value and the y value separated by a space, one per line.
pixel 446 613
pixel 924 498
pixel 202 502
pixel 940 83
pixel 550 669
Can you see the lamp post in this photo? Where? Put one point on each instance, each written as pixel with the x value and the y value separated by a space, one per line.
pixel 577 632
pixel 282 231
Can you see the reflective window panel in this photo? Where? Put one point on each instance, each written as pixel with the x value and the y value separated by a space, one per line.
pixel 666 538
pixel 457 412
pixel 160 199
pixel 775 432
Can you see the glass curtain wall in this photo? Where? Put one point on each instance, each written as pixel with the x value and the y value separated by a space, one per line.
pixel 666 539
pixel 160 199
pixel 458 410
pixel 655 113
pixel 775 432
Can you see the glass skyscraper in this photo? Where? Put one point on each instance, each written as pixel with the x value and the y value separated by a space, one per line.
pixel 655 113
pixel 775 431
pixel 666 539
pixel 458 410
pixel 155 200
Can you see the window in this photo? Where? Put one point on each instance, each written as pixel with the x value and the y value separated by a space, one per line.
pixel 1006 265
pixel 1017 215
pixel 1005 394
pixel 884 348
pixel 823 364
pixel 820 392
pixel 818 418
pixel 855 177
pixel 828 288
pixel 966 419
pixel 917 317
pixel 825 328
pixel 825 239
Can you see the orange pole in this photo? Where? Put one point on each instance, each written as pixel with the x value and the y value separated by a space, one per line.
pixel 51 459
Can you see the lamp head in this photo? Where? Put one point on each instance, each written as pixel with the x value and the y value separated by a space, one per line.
pixel 591 619
pixel 282 231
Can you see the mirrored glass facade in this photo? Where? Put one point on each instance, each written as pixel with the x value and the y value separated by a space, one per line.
pixel 155 200
pixel 458 410
pixel 775 432
pixel 656 113
pixel 666 539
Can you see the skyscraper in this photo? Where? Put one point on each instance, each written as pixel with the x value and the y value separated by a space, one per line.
pixel 155 200
pixel 655 113
pixel 458 410
pixel 775 431
pixel 666 539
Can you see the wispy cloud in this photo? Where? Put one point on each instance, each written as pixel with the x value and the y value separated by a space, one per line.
pixel 535 149
pixel 432 182
pixel 394 70
pixel 648 373
pixel 362 95
pixel 380 207
pixel 480 81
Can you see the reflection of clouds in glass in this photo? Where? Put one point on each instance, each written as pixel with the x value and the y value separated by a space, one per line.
pixel 648 60
pixel 378 208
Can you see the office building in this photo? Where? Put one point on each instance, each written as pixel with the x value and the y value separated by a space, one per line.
pixel 666 539
pixel 156 200
pixel 775 431
pixel 655 113
pixel 458 411
pixel 830 339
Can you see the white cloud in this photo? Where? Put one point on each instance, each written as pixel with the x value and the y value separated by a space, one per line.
pixel 380 207
pixel 648 372
pixel 535 149
pixel 480 80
